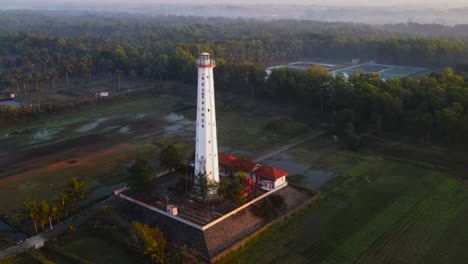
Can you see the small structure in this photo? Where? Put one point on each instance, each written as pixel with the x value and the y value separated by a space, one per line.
pixel 269 178
pixel 101 94
pixel 39 245
pixel 172 209
pixel 265 177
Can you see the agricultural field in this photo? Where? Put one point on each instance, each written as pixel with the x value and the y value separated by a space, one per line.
pixel 372 211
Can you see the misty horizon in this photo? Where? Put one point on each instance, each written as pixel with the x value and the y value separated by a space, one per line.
pixel 453 12
pixel 334 3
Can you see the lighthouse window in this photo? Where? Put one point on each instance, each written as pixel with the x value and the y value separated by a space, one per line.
pixel 202 126
pixel 208 110
pixel 209 141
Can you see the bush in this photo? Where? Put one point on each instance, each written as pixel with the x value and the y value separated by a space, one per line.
pixel 270 207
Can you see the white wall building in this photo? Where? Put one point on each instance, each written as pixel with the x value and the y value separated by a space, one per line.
pixel 206 144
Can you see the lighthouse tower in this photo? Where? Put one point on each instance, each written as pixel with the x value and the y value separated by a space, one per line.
pixel 206 145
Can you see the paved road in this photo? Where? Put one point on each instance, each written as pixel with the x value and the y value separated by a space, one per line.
pixel 57 230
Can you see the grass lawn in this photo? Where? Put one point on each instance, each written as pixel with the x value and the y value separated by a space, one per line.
pixel 372 211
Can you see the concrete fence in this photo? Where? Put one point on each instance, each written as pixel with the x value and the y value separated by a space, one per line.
pixel 238 209
pixel 157 210
pixel 210 224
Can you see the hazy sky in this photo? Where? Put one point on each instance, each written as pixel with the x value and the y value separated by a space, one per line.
pixel 425 3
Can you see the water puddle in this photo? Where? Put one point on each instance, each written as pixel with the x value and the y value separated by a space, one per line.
pixel 15 234
pixel 139 116
pixel 125 130
pixel 45 134
pixel 173 117
pixel 90 126
pixel 4 226
pixel 178 124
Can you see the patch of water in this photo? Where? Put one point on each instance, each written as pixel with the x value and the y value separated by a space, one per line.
pixel 90 126
pixel 178 124
pixel 45 134
pixel 4 226
pixel 173 117
pixel 139 116
pixel 125 130
pixel 313 178
pixel 16 235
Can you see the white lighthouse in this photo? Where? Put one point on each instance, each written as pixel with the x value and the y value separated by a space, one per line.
pixel 206 144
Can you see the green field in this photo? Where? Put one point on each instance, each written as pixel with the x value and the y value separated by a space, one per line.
pixel 373 211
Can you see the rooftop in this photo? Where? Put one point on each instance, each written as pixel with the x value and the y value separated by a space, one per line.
pixel 269 173
pixel 251 167
pixel 236 163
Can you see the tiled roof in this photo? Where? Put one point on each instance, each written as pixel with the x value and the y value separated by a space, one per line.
pixel 236 163
pixel 269 173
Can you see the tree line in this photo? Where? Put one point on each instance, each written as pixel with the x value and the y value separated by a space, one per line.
pixel 431 109
pixel 33 58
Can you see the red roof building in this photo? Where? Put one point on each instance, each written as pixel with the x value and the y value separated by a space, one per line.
pixel 236 163
pixel 269 173
pixel 266 177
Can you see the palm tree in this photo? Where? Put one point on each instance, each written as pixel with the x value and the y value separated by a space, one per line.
pixel 68 67
pixel 35 78
pixel 45 61
pixel 54 76
pixel 76 190
pixel 134 75
pixel 55 215
pixel 119 76
pixel 63 205
pixel 18 78
pixel 44 214
pixel 32 212
pixel 85 67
